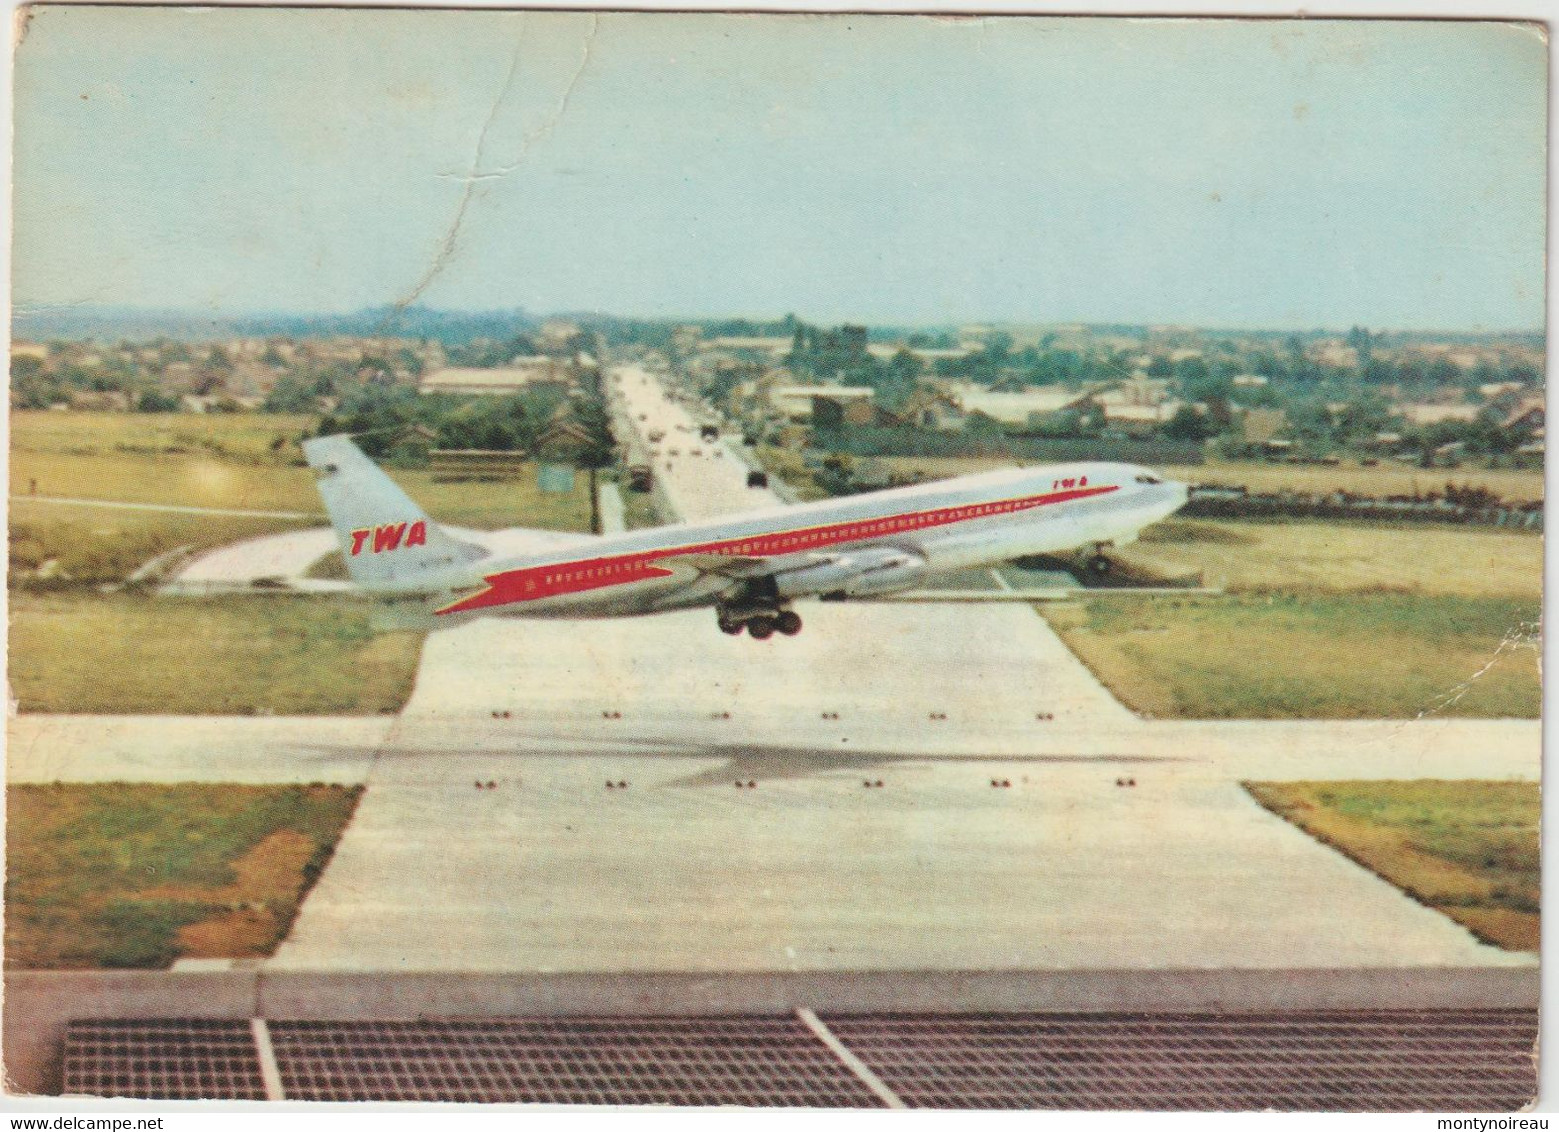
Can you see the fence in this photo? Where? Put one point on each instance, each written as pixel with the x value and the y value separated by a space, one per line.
pixel 916 442
pixel 1237 503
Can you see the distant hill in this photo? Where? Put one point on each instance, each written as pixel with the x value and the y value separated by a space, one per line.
pixel 114 324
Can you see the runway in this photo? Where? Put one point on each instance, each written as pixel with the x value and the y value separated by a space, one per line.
pixel 677 868
pixel 809 868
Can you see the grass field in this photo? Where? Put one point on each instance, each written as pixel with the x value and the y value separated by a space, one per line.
pixel 1311 656
pixel 132 654
pixel 1468 849
pixel 75 650
pixel 1312 555
pixel 233 461
pixel 138 875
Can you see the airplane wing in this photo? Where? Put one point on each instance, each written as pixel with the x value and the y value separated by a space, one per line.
pixel 734 566
pixel 868 570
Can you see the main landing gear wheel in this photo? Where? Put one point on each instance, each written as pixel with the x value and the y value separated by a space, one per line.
pixel 731 628
pixel 761 628
pixel 788 622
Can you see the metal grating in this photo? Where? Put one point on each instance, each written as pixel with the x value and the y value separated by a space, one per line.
pixel 162 1059
pixel 768 1061
pixel 1441 1061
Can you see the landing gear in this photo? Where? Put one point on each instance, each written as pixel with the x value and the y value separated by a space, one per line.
pixel 1098 563
pixel 761 621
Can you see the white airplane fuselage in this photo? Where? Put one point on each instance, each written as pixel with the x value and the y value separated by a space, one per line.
pixel 862 545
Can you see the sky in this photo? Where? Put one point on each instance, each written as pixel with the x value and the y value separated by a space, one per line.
pixel 903 169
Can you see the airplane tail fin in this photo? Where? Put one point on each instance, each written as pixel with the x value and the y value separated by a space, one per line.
pixel 390 545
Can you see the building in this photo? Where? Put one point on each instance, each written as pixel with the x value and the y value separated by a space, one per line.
pixel 1020 408
pixel 556 335
pixel 776 347
pixel 1528 415
pixel 827 406
pixel 887 351
pixel 500 381
pixel 1421 415
pixel 933 408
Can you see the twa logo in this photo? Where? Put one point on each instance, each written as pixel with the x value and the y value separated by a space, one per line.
pixel 1061 485
pixel 391 536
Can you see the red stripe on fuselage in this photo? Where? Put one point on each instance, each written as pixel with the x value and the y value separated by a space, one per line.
pixel 532 583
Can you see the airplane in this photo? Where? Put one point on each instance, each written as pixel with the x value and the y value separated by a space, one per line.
pixel 750 567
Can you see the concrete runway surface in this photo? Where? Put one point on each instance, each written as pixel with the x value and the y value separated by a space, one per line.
pixel 808 869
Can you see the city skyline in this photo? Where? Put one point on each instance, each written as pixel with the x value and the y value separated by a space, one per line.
pixel 1226 175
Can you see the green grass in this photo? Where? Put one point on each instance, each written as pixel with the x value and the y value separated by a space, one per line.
pixel 639 510
pixel 1314 555
pixel 75 650
pixel 1311 656
pixel 505 503
pixel 132 654
pixel 224 461
pixel 138 875
pixel 1468 849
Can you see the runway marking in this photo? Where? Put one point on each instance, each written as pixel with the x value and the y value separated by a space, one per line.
pixel 270 1072
pixel 854 1064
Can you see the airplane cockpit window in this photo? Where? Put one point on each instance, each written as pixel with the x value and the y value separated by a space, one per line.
pixel 1145 478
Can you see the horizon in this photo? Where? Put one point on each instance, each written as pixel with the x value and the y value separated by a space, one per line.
pixel 892 170
pixel 110 312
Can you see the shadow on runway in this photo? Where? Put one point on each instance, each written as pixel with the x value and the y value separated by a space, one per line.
pixel 751 760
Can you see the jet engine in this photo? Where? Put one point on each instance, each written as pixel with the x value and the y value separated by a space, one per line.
pixel 856 573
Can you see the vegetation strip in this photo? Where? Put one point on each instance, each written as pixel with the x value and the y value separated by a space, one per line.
pixel 138 875
pixel 1469 849
pixel 132 654
pixel 1296 655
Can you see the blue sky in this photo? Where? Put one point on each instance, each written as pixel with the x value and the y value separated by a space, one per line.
pixel 889 169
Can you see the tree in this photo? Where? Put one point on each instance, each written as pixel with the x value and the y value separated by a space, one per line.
pixel 1376 372
pixel 1192 371
pixel 1188 424
pixel 1359 338
pixel 600 451
pixel 153 401
pixel 1443 371
pixel 289 395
